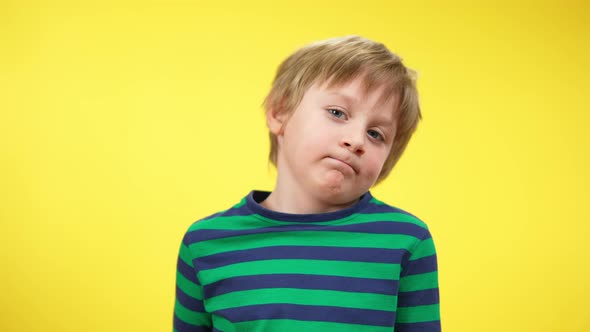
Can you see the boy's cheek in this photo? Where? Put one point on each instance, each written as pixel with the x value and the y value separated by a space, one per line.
pixel 375 166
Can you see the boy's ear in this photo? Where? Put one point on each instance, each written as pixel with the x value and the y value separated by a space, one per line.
pixel 276 120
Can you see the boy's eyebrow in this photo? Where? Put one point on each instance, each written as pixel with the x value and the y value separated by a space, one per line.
pixel 385 121
pixel 348 98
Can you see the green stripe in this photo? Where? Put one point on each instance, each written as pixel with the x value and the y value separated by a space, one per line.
pixel 376 201
pixel 419 282
pixel 424 249
pixel 302 266
pixel 252 221
pixel 189 287
pixel 302 297
pixel 422 313
pixel 222 324
pixel 304 238
pixel 360 218
pixel 186 256
pixel 240 203
pixel 288 325
pixel 229 223
pixel 191 317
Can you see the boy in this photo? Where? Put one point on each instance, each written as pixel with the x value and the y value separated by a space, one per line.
pixel 319 252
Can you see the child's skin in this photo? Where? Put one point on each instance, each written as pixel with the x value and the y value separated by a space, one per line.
pixel 331 148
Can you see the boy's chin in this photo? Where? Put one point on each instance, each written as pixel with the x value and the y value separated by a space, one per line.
pixel 336 189
pixel 334 181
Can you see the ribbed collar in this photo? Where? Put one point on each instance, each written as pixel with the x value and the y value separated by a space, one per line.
pixel 256 196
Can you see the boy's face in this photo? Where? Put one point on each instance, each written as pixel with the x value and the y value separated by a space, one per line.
pixel 333 146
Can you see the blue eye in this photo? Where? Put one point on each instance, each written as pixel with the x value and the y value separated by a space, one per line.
pixel 375 134
pixel 337 113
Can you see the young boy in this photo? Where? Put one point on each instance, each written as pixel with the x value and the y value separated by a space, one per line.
pixel 319 252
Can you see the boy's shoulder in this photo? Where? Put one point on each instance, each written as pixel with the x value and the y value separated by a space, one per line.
pixel 213 220
pixel 393 213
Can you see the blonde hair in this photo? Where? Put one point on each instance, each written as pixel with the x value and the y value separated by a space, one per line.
pixel 339 61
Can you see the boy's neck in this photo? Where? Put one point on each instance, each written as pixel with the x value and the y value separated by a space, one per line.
pixel 299 203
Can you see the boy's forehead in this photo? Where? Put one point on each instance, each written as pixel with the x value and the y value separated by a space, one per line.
pixel 358 91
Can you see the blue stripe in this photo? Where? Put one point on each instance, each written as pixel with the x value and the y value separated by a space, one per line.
pixel 302 281
pixel 233 211
pixel 421 265
pixel 187 271
pixel 241 211
pixel 376 227
pixel 215 215
pixel 182 326
pixel 309 313
pixel 384 208
pixel 416 298
pixel 371 255
pixel 433 326
pixel 188 301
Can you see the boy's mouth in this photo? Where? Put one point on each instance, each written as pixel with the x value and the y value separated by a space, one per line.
pixel 346 163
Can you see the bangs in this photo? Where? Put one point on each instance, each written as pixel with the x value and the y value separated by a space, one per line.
pixel 371 79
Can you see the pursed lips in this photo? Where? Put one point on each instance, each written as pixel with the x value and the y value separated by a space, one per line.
pixel 344 162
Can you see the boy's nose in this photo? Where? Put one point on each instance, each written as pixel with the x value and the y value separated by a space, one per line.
pixel 354 143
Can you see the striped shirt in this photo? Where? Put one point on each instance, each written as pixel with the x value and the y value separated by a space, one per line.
pixel 368 268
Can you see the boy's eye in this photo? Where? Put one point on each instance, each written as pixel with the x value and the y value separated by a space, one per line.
pixel 337 113
pixel 375 134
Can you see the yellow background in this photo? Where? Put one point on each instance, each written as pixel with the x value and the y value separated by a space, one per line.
pixel 124 122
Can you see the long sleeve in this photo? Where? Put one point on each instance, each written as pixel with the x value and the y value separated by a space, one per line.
pixel 189 312
pixel 418 298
